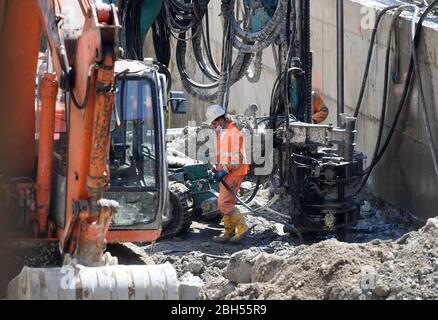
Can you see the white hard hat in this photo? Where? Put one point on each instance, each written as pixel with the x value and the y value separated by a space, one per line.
pixel 213 112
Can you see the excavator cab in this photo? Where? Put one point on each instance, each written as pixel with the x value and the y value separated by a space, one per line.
pixel 137 158
pixel 148 202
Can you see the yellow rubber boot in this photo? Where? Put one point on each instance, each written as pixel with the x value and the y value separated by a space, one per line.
pixel 229 231
pixel 241 226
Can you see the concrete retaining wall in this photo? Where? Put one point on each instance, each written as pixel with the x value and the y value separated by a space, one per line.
pixel 405 177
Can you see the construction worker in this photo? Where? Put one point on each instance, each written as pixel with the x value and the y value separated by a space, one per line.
pixel 320 110
pixel 231 169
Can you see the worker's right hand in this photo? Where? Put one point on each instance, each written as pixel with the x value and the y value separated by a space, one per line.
pixel 220 175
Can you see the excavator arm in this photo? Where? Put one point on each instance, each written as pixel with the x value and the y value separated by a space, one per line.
pixel 83 58
pixel 82 36
pixel 56 177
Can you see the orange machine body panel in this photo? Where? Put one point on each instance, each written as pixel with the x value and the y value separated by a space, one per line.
pixel 20 26
pixel 92 58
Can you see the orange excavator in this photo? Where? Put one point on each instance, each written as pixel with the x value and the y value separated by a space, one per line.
pixel 59 158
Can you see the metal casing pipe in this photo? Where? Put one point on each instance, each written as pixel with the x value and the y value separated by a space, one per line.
pixel 340 57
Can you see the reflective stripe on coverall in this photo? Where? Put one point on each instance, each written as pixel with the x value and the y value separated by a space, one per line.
pixel 231 153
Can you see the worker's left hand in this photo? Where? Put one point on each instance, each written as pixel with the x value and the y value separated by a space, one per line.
pixel 220 175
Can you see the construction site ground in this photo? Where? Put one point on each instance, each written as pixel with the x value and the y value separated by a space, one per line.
pixel 387 256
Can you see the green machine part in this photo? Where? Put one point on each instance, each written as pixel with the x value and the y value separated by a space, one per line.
pixel 201 183
pixel 262 12
pixel 149 12
pixel 199 180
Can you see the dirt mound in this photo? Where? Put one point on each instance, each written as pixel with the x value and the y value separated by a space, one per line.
pixel 403 269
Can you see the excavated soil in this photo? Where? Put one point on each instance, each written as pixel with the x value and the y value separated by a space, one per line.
pixel 385 259
pixel 403 269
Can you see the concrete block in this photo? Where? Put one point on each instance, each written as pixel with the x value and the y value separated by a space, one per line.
pixel 240 266
pixel 432 224
pixel 266 267
pixel 190 287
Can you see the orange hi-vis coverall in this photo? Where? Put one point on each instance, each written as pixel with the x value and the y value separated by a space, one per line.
pixel 232 158
pixel 320 111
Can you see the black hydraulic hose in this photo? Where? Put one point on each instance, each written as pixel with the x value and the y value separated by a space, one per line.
pixel 181 49
pixel 246 206
pixel 403 100
pixel 183 6
pixel 84 102
pixel 183 16
pixel 200 58
pixel 370 54
pixel 407 87
pixel 230 72
pixel 131 17
pixel 272 107
pixel 240 66
pixel 268 31
pixel 386 83
pixel 187 83
pixel 258 46
pixel 161 37
pixel 256 190
pixel 369 170
pixel 207 44
pixel 255 77
pixel 164 70
pixel 238 70
pixel 257 41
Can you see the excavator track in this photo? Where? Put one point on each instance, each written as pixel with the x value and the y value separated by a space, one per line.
pixel 182 213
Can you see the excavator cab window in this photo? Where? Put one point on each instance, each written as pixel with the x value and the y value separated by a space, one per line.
pixel 132 161
pixel 132 153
